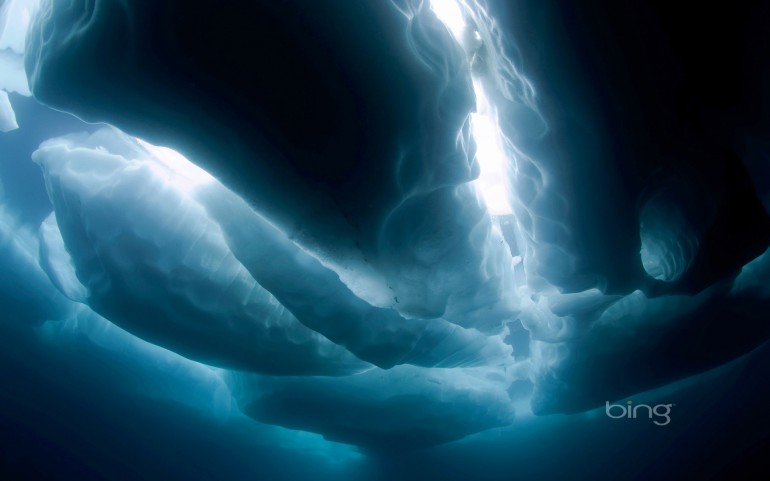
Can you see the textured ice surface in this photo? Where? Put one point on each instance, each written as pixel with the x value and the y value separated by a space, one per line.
pixel 15 17
pixel 321 301
pixel 509 128
pixel 148 247
pixel 389 208
pixel 57 262
pixel 160 264
pixel 26 293
pixel 151 261
pixel 677 212
pixel 7 115
pixel 402 236
pixel 636 343
pixel 404 407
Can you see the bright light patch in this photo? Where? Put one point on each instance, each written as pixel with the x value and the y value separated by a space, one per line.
pixel 176 169
pixel 490 155
pixel 490 152
pixel 450 13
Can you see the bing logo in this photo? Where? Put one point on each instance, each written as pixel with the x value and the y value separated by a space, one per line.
pixel 618 411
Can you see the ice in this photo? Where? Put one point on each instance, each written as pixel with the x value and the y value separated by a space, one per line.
pixel 196 263
pixel 390 235
pixel 752 280
pixel 7 115
pixel 13 78
pixel 404 408
pixel 390 208
pixel 677 210
pixel 15 18
pixel 164 374
pixel 321 301
pixel 144 239
pixel 554 317
pixel 150 260
pixel 26 293
pixel 637 343
pixel 57 262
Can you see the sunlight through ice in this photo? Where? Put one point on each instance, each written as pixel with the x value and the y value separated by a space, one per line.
pixel 176 169
pixel 450 13
pixel 490 152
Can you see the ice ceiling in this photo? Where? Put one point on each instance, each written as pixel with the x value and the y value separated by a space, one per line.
pixel 390 242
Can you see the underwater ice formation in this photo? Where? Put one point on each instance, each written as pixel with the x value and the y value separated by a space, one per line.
pixel 15 16
pixel 638 343
pixel 389 235
pixel 414 243
pixel 151 259
pixel 7 115
pixel 406 406
pixel 673 219
pixel 25 291
pixel 164 374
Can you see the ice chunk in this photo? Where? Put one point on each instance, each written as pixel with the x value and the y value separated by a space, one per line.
pixel 15 17
pixel 554 317
pixel 401 408
pixel 57 262
pixel 151 261
pixel 26 293
pixel 321 301
pixel 7 115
